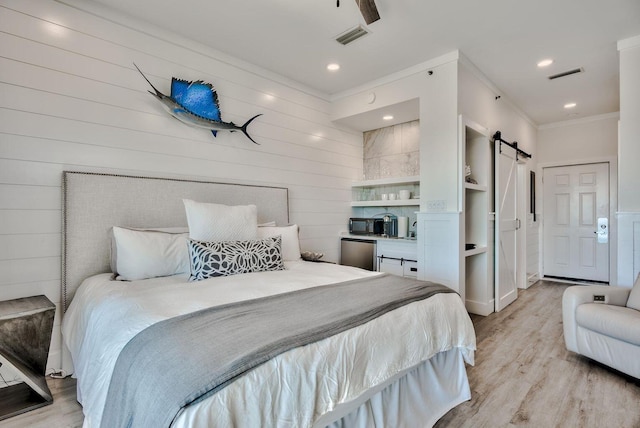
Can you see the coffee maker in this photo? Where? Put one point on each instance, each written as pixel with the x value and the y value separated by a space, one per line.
pixel 390 225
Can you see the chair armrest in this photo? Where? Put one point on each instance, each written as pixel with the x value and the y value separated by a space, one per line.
pixel 580 294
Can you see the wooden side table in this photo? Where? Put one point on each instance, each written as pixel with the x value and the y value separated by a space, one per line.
pixel 25 335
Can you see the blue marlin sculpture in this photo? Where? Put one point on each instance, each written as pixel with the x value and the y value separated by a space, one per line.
pixel 196 104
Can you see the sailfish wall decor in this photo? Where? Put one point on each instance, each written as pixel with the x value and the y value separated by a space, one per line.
pixel 196 104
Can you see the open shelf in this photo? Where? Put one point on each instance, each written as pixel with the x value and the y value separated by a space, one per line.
pixel 387 181
pixel 475 251
pixel 475 147
pixel 477 187
pixel 381 203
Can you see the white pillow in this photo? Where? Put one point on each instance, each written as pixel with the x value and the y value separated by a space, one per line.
pixel 216 222
pixel 290 242
pixel 634 296
pixel 140 254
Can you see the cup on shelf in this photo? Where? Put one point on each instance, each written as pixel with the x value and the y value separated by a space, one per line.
pixel 384 196
pixel 405 194
pixel 392 196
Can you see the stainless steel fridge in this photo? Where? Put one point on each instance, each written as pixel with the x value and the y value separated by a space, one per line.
pixel 359 253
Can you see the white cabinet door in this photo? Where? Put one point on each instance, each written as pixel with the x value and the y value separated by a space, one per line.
pixel 391 266
pixel 398 257
pixel 410 269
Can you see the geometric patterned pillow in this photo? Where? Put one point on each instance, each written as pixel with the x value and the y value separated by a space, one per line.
pixel 221 258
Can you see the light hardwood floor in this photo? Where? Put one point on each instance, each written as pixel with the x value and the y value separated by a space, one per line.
pixel 523 377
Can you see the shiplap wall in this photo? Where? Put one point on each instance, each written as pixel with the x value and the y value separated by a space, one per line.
pixel 71 99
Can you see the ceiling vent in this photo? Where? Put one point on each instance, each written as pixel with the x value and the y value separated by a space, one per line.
pixel 567 73
pixel 352 35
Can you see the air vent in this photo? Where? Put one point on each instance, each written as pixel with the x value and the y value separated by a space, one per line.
pixel 566 73
pixel 352 35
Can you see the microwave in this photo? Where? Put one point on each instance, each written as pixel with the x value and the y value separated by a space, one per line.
pixel 366 226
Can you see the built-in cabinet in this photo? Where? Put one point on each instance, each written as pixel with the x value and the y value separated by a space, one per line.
pixel 476 201
pixel 443 253
pixel 395 256
pixel 398 257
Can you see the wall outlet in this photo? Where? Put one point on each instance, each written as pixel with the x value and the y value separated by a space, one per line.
pixel 437 205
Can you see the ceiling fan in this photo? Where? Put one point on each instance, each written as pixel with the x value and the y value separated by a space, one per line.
pixel 368 10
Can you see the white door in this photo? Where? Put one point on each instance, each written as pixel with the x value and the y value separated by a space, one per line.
pixel 506 289
pixel 575 222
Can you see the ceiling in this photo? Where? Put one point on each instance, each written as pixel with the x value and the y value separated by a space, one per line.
pixel 503 38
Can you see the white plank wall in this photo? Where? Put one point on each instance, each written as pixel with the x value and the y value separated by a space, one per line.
pixel 71 99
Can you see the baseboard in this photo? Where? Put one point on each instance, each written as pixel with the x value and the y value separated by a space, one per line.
pixel 480 308
pixel 532 278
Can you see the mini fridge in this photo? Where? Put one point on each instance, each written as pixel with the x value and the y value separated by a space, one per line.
pixel 359 253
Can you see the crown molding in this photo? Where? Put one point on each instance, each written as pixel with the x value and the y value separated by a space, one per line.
pixel 631 42
pixel 399 75
pixel 471 67
pixel 582 120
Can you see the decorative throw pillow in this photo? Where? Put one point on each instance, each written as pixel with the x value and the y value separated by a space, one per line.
pixel 634 297
pixel 216 222
pixel 290 242
pixel 222 258
pixel 141 254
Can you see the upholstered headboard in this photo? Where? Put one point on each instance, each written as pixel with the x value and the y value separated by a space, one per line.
pixel 93 203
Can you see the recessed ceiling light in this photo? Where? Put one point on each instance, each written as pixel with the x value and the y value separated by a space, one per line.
pixel 570 105
pixel 545 63
pixel 387 117
pixel 333 67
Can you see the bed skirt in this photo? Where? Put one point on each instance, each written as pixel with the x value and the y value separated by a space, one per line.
pixel 414 398
pixel 418 398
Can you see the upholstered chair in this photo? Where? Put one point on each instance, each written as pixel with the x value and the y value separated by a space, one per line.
pixel 603 323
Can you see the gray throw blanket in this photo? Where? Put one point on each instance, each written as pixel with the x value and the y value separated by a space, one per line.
pixel 181 360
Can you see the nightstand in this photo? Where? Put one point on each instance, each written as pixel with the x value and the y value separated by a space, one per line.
pixel 25 335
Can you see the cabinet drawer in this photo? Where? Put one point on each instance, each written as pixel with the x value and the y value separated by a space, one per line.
pixel 398 267
pixel 410 269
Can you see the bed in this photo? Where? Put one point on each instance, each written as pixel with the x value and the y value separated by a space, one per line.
pixel 405 367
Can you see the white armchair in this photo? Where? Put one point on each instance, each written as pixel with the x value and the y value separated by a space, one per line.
pixel 603 323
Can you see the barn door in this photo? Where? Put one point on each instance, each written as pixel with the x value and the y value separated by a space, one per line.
pixel 507 223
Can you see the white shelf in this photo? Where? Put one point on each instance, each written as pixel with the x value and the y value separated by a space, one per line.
pixel 477 250
pixel 395 203
pixel 478 187
pixel 475 199
pixel 387 181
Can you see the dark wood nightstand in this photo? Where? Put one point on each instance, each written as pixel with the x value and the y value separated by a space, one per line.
pixel 25 335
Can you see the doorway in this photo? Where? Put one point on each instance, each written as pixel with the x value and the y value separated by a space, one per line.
pixel 576 222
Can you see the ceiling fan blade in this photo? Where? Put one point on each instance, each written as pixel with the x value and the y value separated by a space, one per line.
pixel 369 10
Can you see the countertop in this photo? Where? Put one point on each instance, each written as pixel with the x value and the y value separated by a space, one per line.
pixel 377 238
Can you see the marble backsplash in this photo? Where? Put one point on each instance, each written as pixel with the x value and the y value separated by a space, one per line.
pixel 393 151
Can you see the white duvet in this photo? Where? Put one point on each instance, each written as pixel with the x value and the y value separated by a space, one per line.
pixel 294 389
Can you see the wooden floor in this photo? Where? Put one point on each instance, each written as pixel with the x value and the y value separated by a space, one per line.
pixel 523 377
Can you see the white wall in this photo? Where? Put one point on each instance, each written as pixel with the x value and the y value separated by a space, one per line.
pixel 588 139
pixel 584 140
pixel 71 100
pixel 629 150
pixel 628 157
pixel 438 106
pixel 477 101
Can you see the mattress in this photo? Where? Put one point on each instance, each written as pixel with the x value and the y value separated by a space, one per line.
pixel 299 387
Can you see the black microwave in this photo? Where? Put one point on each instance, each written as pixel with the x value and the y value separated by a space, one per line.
pixel 366 226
